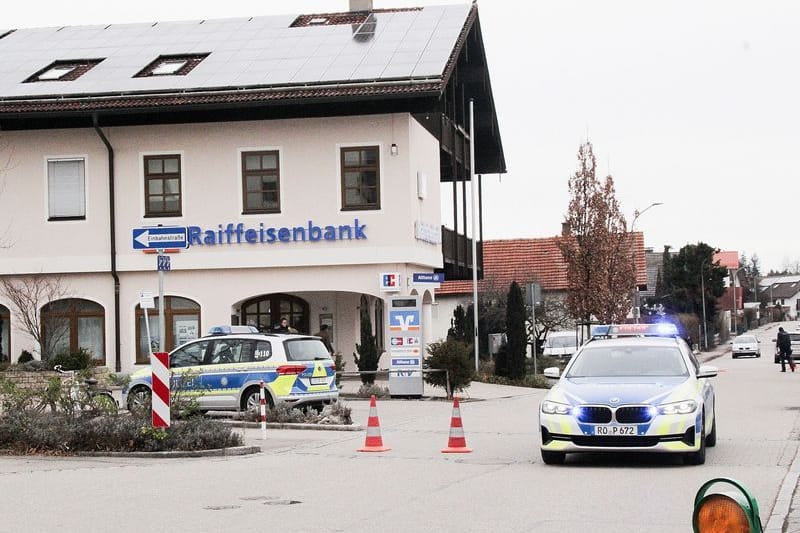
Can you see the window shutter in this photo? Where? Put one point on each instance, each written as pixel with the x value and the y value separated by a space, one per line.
pixel 65 183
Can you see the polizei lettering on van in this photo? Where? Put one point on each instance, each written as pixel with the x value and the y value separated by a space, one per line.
pixel 239 234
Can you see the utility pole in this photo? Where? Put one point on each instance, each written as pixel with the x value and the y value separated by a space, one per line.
pixel 703 295
pixel 635 307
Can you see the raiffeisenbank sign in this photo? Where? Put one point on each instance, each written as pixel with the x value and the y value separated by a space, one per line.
pixel 240 234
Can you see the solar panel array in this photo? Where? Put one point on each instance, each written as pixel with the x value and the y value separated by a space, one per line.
pixel 244 52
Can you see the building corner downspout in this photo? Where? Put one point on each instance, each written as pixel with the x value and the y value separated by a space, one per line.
pixel 113 239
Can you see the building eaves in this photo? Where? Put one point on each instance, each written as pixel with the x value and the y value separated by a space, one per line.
pixel 92 103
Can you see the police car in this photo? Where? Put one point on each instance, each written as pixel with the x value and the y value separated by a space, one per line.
pixel 223 370
pixel 631 388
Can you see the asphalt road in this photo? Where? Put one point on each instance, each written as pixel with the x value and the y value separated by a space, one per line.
pixel 315 481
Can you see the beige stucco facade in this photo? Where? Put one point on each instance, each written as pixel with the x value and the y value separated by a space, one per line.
pixel 330 275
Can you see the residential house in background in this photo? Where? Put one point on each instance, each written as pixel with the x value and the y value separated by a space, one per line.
pixel 536 260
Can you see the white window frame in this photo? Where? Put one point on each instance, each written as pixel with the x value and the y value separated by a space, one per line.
pixel 66 158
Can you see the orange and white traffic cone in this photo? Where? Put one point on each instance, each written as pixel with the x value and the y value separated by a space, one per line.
pixel 373 442
pixel 457 443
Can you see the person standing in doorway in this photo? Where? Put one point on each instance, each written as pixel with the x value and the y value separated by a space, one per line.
pixel 282 327
pixel 784 346
pixel 325 334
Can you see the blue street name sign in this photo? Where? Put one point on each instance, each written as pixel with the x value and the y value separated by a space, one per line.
pixel 428 277
pixel 159 238
pixel 163 262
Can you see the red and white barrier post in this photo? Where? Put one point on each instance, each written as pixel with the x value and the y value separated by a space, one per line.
pixel 159 363
pixel 263 411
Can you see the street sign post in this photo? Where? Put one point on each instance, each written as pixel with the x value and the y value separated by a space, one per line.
pixel 163 262
pixel 159 238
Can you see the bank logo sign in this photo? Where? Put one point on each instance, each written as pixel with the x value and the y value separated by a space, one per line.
pixel 390 281
pixel 404 320
pixel 235 234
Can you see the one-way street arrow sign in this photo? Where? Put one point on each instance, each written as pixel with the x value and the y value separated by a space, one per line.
pixel 159 238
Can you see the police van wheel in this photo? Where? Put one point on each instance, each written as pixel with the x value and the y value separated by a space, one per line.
pixel 251 399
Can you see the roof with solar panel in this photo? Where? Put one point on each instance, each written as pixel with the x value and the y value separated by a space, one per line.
pixel 381 50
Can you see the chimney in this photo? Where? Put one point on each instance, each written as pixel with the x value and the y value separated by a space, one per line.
pixel 360 5
pixel 565 229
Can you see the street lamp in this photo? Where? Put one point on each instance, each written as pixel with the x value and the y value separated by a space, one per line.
pixel 703 294
pixel 734 273
pixel 636 215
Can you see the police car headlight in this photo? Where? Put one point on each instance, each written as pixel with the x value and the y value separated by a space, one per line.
pixel 678 408
pixel 555 408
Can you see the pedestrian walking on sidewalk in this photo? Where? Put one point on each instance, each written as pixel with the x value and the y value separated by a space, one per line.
pixel 784 346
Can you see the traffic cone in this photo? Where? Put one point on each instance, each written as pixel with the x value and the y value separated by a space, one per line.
pixel 373 442
pixel 457 443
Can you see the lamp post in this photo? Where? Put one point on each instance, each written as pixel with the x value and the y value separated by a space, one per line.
pixel 734 274
pixel 636 215
pixel 703 295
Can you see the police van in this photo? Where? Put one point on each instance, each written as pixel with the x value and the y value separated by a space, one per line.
pixel 560 344
pixel 223 370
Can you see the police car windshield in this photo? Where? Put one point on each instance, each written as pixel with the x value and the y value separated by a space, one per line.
pixel 306 350
pixel 624 361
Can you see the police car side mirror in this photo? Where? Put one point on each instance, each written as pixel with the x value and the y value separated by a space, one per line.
pixel 707 371
pixel 552 372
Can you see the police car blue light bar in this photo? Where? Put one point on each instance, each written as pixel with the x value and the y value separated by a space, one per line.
pixel 227 330
pixel 660 329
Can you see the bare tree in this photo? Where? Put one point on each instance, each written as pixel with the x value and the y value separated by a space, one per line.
pixel 27 295
pixel 596 246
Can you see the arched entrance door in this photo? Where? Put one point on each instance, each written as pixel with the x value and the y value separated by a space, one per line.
pixel 266 311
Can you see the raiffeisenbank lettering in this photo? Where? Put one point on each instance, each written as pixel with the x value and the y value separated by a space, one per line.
pixel 239 234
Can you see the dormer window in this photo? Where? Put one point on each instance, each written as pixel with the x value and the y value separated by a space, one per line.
pixel 64 70
pixel 171 65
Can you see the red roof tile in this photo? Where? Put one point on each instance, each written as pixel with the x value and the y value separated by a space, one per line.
pixel 526 261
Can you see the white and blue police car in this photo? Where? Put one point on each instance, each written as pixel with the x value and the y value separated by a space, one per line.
pixel 631 388
pixel 225 369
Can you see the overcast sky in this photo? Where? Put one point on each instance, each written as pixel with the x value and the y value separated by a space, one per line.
pixel 692 104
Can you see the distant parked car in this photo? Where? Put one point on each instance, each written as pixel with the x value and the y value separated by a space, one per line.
pixel 745 345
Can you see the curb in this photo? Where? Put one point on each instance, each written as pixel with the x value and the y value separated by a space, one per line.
pixel 218 452
pixel 289 425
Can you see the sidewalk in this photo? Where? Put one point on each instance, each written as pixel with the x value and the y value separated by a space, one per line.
pixel 476 390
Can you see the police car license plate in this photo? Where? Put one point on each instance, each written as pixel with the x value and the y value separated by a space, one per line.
pixel 615 431
pixel 319 381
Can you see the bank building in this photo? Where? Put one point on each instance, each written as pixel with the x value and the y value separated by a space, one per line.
pixel 306 159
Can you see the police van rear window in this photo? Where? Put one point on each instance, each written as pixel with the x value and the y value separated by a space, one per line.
pixel 305 350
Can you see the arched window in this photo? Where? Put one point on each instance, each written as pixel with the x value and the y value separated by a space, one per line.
pixel 266 311
pixel 71 324
pixel 182 325
pixel 5 331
